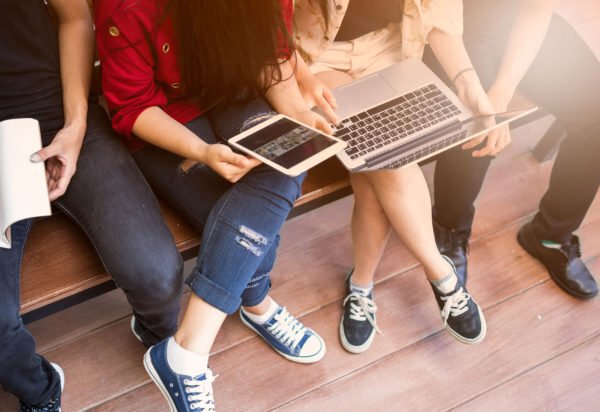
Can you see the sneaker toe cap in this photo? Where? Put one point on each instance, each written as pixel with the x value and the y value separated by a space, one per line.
pixel 313 347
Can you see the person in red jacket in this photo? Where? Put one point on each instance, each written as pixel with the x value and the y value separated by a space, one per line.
pixel 179 76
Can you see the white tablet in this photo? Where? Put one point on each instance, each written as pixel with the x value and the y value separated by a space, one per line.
pixel 287 145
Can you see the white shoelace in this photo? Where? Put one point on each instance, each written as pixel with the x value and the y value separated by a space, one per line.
pixel 287 329
pixel 200 393
pixel 456 304
pixel 362 308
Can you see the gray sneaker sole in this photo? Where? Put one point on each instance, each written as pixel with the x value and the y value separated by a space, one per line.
pixel 352 348
pixel 477 339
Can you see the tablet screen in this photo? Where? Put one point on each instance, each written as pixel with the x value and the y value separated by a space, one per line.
pixel 286 143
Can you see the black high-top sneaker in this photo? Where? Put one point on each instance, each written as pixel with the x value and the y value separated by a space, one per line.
pixel 454 245
pixel 462 316
pixel 358 325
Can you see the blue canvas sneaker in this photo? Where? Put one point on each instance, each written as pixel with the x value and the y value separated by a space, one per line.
pixel 53 405
pixel 288 336
pixel 183 393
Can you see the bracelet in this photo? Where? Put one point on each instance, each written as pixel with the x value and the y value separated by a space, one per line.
pixel 459 74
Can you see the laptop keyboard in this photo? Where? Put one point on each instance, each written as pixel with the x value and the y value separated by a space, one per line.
pixel 396 119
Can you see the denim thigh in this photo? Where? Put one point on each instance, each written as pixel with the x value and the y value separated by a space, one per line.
pixel 240 222
pixel 112 202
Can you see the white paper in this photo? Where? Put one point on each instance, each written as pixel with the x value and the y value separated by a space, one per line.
pixel 23 190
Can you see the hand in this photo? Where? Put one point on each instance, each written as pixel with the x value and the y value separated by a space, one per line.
pixel 61 160
pixel 313 119
pixel 315 93
pixel 473 95
pixel 231 166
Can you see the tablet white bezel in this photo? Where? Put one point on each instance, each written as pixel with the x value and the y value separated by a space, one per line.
pixel 299 167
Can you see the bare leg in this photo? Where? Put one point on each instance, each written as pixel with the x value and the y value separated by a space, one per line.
pixel 370 230
pixel 261 308
pixel 201 323
pixel 404 197
pixel 199 327
pixel 370 226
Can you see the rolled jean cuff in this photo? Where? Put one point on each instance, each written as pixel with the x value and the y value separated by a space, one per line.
pixel 212 293
pixel 256 291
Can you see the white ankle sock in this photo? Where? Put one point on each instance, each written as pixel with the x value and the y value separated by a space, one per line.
pixel 260 319
pixel 446 285
pixel 361 290
pixel 185 362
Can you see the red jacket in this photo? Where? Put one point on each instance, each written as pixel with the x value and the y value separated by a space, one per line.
pixel 139 64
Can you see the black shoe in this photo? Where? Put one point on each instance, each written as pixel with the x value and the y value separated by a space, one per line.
pixel 454 245
pixel 53 405
pixel 461 314
pixel 358 325
pixel 563 262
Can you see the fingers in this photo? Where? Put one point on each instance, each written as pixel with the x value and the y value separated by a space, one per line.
pixel 492 139
pixel 323 125
pixel 234 173
pixel 45 153
pixel 226 155
pixel 497 140
pixel 476 141
pixel 231 166
pixel 59 177
pixel 327 109
pixel 328 95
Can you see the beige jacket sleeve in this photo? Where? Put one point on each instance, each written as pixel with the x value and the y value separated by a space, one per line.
pixel 422 16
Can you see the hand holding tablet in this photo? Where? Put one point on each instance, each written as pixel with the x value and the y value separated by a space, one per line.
pixel 287 145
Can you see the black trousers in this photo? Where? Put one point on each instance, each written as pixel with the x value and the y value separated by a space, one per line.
pixel 564 79
pixel 111 201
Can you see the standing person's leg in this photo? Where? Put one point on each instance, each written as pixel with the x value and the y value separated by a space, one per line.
pixel 459 176
pixel 571 92
pixel 112 202
pixel 23 372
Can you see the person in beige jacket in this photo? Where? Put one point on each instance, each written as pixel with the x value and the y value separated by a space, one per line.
pixel 342 40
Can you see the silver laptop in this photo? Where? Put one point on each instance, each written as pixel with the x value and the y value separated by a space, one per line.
pixel 404 114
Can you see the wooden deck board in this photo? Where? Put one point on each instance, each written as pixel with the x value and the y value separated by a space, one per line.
pixel 568 382
pixel 439 373
pixel 407 316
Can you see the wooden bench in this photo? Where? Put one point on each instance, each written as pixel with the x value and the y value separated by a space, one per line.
pixel 61 268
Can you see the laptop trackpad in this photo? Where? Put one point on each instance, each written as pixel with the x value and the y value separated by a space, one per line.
pixel 362 94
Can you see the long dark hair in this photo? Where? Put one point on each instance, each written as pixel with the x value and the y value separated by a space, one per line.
pixel 229 49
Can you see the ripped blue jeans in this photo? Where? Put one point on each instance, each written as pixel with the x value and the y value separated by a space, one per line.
pixel 240 222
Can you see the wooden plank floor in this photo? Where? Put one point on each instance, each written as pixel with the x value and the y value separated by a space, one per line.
pixel 542 351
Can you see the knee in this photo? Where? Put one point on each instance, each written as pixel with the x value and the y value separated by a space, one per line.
pixel 365 201
pixel 287 188
pixel 159 277
pixel 10 323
